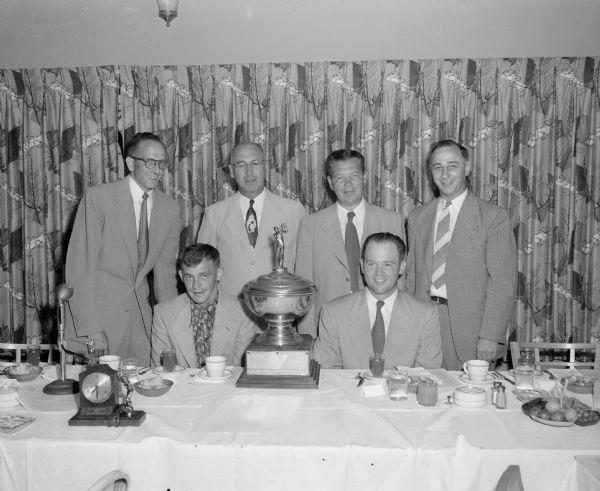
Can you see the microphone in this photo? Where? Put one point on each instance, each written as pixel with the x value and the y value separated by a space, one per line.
pixel 64 291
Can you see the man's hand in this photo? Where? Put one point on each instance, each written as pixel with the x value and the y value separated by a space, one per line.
pixel 486 350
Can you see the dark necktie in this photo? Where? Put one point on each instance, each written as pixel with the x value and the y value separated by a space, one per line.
pixel 202 323
pixel 251 224
pixel 352 251
pixel 378 331
pixel 442 242
pixel 142 241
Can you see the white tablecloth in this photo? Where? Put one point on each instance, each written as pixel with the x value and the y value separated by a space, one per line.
pixel 216 436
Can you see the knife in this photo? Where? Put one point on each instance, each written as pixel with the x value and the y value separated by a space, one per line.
pixel 504 377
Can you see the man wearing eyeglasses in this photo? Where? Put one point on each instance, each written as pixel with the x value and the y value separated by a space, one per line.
pixel 123 230
pixel 329 240
pixel 242 226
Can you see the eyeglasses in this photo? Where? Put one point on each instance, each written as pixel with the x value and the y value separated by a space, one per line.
pixel 241 165
pixel 152 163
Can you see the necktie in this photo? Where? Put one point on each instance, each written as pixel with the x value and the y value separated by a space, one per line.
pixel 202 324
pixel 442 240
pixel 251 224
pixel 378 331
pixel 142 241
pixel 352 251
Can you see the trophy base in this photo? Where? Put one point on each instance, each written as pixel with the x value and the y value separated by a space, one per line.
pixel 310 381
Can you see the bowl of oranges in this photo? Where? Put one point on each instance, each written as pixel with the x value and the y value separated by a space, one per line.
pixel 550 411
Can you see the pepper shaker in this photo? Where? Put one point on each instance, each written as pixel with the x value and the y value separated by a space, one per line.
pixel 501 397
pixel 495 386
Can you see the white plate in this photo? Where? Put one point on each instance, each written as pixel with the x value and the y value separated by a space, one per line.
pixel 488 379
pixel 161 371
pixel 203 375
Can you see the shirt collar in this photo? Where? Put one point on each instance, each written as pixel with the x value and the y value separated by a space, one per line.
pixel 456 202
pixel 259 201
pixel 136 190
pixel 359 212
pixel 388 302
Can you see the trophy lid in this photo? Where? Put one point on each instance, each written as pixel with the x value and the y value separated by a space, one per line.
pixel 279 283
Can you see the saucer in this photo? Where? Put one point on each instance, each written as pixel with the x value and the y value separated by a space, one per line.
pixel 488 379
pixel 203 374
pixel 161 370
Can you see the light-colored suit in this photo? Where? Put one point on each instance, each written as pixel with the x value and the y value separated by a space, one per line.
pixel 413 337
pixel 481 270
pixel 102 262
pixel 223 227
pixel 321 256
pixel 232 330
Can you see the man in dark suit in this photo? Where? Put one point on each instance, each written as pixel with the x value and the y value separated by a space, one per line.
pixel 122 231
pixel 380 318
pixel 241 227
pixel 203 321
pixel 462 256
pixel 329 240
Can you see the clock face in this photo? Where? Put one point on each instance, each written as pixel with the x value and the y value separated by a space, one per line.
pixel 97 387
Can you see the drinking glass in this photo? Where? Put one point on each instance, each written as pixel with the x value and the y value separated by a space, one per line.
pixel 169 360
pixel 398 386
pixel 33 354
pixel 130 367
pixel 376 364
pixel 524 377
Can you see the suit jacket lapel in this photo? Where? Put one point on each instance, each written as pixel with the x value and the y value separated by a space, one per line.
pixel 359 329
pixel 332 234
pixel 464 224
pixel 182 334
pixel 126 219
pixel 221 329
pixel 428 220
pixel 400 322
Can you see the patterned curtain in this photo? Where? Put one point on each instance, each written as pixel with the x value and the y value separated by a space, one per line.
pixel 532 126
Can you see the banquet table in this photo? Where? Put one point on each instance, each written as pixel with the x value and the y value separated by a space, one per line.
pixel 204 435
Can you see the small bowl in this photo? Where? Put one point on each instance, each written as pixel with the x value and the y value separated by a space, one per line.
pixel 144 388
pixel 31 374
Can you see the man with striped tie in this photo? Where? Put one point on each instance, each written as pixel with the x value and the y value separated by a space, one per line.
pixel 462 256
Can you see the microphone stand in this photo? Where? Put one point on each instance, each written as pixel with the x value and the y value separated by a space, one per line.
pixel 62 385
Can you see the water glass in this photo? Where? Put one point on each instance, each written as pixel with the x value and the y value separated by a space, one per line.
pixel 398 386
pixel 169 360
pixel 130 367
pixel 376 364
pixel 33 354
pixel 524 375
pixel 427 392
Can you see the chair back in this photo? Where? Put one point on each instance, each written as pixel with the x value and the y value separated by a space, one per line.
pixel 113 481
pixel 20 348
pixel 548 360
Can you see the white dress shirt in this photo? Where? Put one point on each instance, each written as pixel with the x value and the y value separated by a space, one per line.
pixel 259 203
pixel 137 194
pixel 386 310
pixel 359 219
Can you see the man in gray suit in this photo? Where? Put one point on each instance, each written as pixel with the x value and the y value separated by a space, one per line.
pixel 380 318
pixel 241 227
pixel 203 321
pixel 462 256
pixel 123 230
pixel 329 240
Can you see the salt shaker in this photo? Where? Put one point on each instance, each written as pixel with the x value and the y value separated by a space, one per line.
pixel 495 386
pixel 501 397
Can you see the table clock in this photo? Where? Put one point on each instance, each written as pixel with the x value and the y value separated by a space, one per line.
pixel 99 393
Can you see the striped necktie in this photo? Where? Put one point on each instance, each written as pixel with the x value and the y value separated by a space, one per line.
pixel 142 240
pixel 442 242
pixel 378 331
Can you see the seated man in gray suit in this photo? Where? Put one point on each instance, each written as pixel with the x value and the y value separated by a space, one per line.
pixel 381 318
pixel 203 321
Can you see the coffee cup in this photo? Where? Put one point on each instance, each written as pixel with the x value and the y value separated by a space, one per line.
pixel 112 361
pixel 476 370
pixel 215 366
